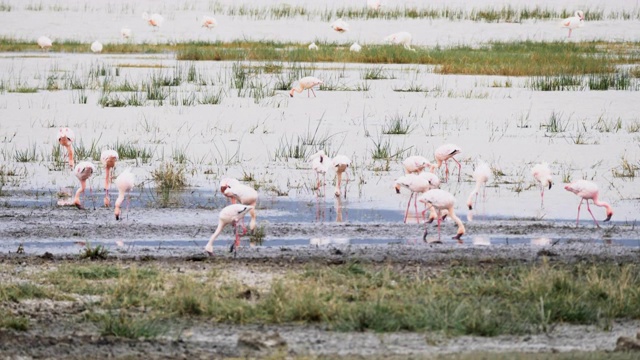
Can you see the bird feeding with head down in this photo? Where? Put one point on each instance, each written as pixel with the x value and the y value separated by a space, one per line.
pixel 340 26
pixel 443 154
pixel 65 138
pixel 108 158
pixel 306 83
pixel 417 184
pixel 588 190
pixel 243 194
pixel 125 183
pixel 230 215
pixel 542 174
pixel 439 200
pixel 83 172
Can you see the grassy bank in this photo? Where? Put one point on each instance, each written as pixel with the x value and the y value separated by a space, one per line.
pixel 143 300
pixel 511 59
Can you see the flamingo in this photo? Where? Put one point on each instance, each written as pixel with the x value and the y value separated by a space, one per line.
pixel 588 190
pixel 313 46
pixel 65 138
pixel 416 184
pixel 573 22
pixel 399 38
pixel 542 174
pixel 481 175
pixel 439 200
pixel 244 195
pixel 355 47
pixel 227 182
pixel 45 43
pixel 320 164
pixel 306 83
pixel 340 163
pixel 340 26
pixel 209 22
pixel 96 47
pixel 155 20
pixel 125 32
pixel 83 172
pixel 374 4
pixel 124 182
pixel 415 164
pixel 108 158
pixel 443 154
pixel 229 215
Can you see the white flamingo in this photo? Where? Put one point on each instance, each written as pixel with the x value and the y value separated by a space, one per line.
pixel 355 47
pixel 320 163
pixel 439 200
pixel 340 26
pixel 243 194
pixel 45 43
pixel 340 164
pixel 96 47
pixel 83 172
pixel 209 22
pixel 65 138
pixel 231 214
pixel 125 183
pixel 415 164
pixel 417 184
pixel 374 4
pixel 542 174
pixel 306 83
pixel 573 22
pixel 481 175
pixel 400 38
pixel 313 46
pixel 443 154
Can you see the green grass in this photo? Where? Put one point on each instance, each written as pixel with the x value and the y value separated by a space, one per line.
pixel 98 252
pixel 18 323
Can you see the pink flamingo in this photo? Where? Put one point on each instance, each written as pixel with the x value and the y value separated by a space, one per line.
pixel 155 20
pixel 320 164
pixel 125 183
pixel 108 158
pixel 83 172
pixel 573 22
pixel 227 182
pixel 588 190
pixel 244 195
pixel 443 154
pixel 229 215
pixel 481 175
pixel 340 26
pixel 416 184
pixel 415 164
pixel 542 174
pixel 209 22
pixel 439 200
pixel 306 83
pixel 341 163
pixel 65 138
pixel 45 43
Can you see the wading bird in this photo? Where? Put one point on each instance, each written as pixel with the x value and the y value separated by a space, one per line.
pixel 400 38
pixel 96 47
pixel 108 158
pixel 320 163
pixel 209 22
pixel 340 26
pixel 443 154
pixel 313 46
pixel 439 200
pixel 125 183
pixel 306 83
pixel 125 32
pixel 542 174
pixel 341 163
pixel 573 22
pixel 481 175
pixel 83 172
pixel 416 184
pixel 374 4
pixel 45 43
pixel 155 20
pixel 415 164
pixel 588 190
pixel 355 47
pixel 65 138
pixel 243 194
pixel 231 214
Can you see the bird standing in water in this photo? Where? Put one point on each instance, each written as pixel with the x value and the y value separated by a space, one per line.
pixel 125 183
pixel 231 214
pixel 542 174
pixel 588 190
pixel 439 200
pixel 65 138
pixel 306 83
pixel 443 154
pixel 83 172
pixel 108 159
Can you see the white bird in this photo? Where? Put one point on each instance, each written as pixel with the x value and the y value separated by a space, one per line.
pixel 306 83
pixel 340 26
pixel 355 47
pixel 125 183
pixel 65 138
pixel 243 194
pixel 209 22
pixel 415 164
pixel 96 46
pixel 416 184
pixel 320 163
pixel 400 38
pixel 108 158
pixel 439 200
pixel 155 20
pixel 45 43
pixel 573 22
pixel 443 154
pixel 313 46
pixel 125 32
pixel 83 171
pixel 542 174
pixel 231 214
pixel 341 163
pixel 374 4
pixel 481 175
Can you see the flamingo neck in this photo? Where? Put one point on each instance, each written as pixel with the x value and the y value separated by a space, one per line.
pixel 606 205
pixel 456 219
pixel 221 225
pixel 120 198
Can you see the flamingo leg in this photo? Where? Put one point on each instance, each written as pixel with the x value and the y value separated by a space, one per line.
pixel 128 202
pixel 459 167
pixel 324 184
pixel 569 33
pixel 579 205
pixel 439 221
pixel 594 218
pixel 346 183
pixel 415 205
pixel 314 93
pixel 308 94
pixel 446 171
pixel 542 197
pixel 406 213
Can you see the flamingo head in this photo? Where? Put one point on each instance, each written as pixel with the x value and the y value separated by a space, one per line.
pixel 609 214
pixel 580 14
pixel 320 154
pixel 117 213
pixel 397 187
pixel 550 183
pixel 65 136
pixel 110 162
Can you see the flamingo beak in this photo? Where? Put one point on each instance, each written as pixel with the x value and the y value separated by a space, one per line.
pixel 550 184
pixel 117 217
pixel 608 217
pixel 470 207
pixel 458 237
pixel 223 189
pixel 424 236
pixel 397 190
